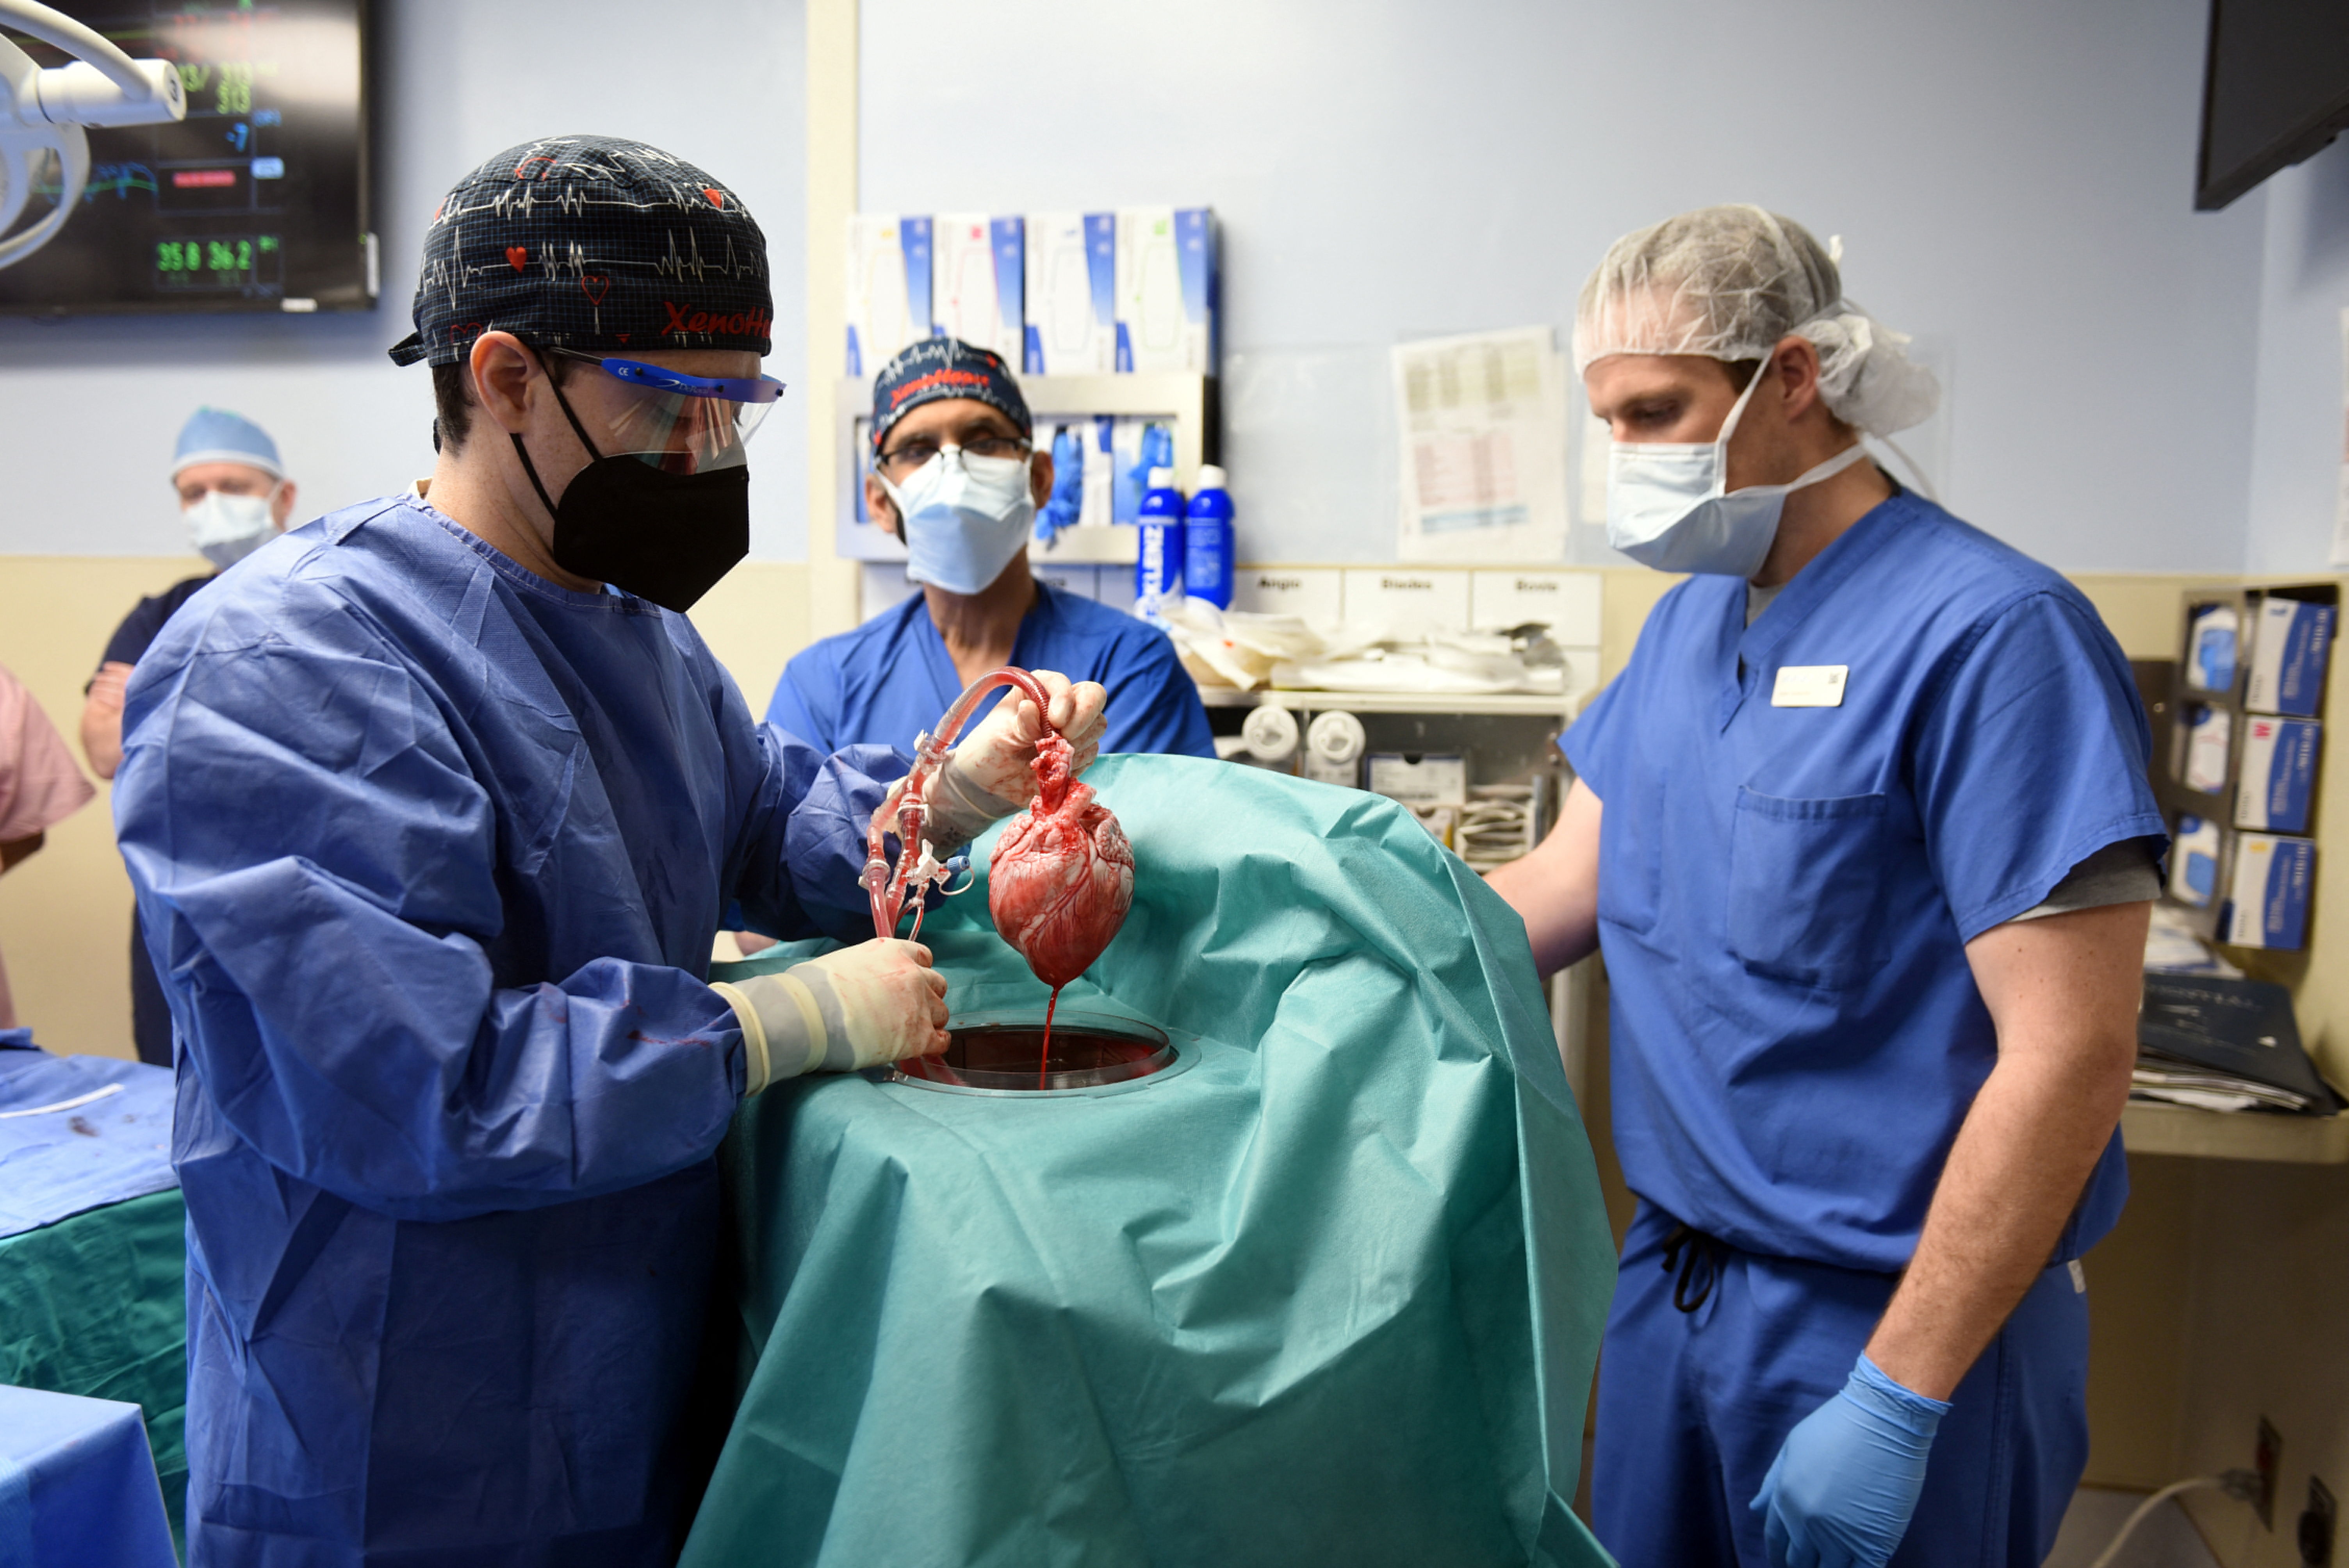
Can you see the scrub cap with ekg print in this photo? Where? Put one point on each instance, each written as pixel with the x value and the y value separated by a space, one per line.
pixel 1730 283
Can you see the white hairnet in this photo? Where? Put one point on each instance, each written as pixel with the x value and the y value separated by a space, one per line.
pixel 1730 283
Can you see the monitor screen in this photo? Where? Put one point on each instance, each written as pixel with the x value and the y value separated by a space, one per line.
pixel 2275 91
pixel 258 201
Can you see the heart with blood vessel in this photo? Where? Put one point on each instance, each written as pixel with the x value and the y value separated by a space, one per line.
pixel 1061 879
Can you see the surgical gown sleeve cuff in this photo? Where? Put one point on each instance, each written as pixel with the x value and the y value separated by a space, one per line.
pixel 781 1029
pixel 824 841
pixel 792 1024
pixel 960 810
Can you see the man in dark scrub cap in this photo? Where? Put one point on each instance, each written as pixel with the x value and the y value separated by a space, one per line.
pixel 956 475
pixel 431 812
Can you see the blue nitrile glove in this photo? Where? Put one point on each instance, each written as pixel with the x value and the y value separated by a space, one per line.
pixel 1846 1480
pixel 1068 498
pixel 1157 452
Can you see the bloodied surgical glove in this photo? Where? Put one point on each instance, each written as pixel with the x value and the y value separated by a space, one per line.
pixel 1846 1480
pixel 992 773
pixel 857 1007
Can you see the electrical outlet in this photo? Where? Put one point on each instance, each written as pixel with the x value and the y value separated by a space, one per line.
pixel 2267 1460
pixel 2316 1527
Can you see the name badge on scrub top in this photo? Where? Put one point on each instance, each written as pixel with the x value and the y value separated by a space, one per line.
pixel 1809 686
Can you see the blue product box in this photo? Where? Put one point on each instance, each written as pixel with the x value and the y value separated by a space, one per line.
pixel 1070 303
pixel 2210 736
pixel 1169 290
pixel 2278 782
pixel 2289 651
pixel 889 276
pixel 2210 641
pixel 2194 862
pixel 979 281
pixel 2269 891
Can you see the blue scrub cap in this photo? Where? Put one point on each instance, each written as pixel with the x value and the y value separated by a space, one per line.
pixel 593 244
pixel 930 369
pixel 217 436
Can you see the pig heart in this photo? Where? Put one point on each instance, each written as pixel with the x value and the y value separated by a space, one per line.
pixel 1062 876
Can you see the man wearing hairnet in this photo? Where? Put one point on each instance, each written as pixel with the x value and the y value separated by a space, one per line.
pixel 432 810
pixel 1864 833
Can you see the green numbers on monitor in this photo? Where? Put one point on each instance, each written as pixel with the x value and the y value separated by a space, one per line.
pixel 229 262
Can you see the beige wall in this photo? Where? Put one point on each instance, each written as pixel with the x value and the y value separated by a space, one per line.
pixel 65 913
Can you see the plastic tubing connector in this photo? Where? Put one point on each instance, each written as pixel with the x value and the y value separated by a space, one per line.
pixel 885 885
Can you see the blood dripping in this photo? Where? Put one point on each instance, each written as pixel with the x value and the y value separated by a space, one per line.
pixel 1061 879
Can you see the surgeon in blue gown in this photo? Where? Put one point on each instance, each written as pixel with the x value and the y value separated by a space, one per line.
pixel 1864 832
pixel 432 807
pixel 956 475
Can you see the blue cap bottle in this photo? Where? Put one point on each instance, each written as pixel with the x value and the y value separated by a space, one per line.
pixel 1158 559
pixel 1208 540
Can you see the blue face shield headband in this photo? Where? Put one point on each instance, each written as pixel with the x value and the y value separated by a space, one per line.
pixel 681 423
pixel 662 510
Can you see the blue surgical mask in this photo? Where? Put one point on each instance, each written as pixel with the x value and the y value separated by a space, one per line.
pixel 1668 505
pixel 965 518
pixel 226 528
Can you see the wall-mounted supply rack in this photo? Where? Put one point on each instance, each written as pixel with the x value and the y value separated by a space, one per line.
pixel 1187 404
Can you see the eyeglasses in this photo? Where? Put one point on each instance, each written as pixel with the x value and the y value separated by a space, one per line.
pixel 903 460
pixel 685 423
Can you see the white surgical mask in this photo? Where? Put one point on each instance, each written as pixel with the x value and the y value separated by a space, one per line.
pixel 1668 505
pixel 228 528
pixel 965 518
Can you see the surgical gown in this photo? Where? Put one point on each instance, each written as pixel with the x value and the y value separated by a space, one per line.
pixel 890 678
pixel 430 853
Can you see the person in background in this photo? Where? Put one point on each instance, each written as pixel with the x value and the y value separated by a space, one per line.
pixel 434 807
pixel 1864 832
pixel 954 476
pixel 235 496
pixel 39 788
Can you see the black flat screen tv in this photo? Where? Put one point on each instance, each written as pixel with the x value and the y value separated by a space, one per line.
pixel 257 202
pixel 2275 90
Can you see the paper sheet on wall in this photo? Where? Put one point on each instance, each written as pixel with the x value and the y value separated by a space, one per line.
pixel 2341 506
pixel 1482 426
pixel 1591 503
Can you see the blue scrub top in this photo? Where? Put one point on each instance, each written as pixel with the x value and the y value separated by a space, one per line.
pixel 430 853
pixel 891 678
pixel 1785 893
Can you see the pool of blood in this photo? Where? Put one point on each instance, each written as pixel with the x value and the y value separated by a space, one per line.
pixel 1015 1057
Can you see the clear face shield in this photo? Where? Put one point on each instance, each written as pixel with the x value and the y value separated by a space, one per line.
pixel 677 423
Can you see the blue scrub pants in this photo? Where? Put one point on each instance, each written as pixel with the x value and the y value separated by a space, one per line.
pixel 1693 1406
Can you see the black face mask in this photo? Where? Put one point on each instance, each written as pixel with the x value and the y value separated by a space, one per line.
pixel 664 537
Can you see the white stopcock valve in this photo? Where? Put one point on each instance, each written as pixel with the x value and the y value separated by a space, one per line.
pixel 1334 747
pixel 1270 734
pixel 1337 737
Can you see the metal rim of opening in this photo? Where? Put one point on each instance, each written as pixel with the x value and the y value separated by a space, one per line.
pixel 1168 1058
